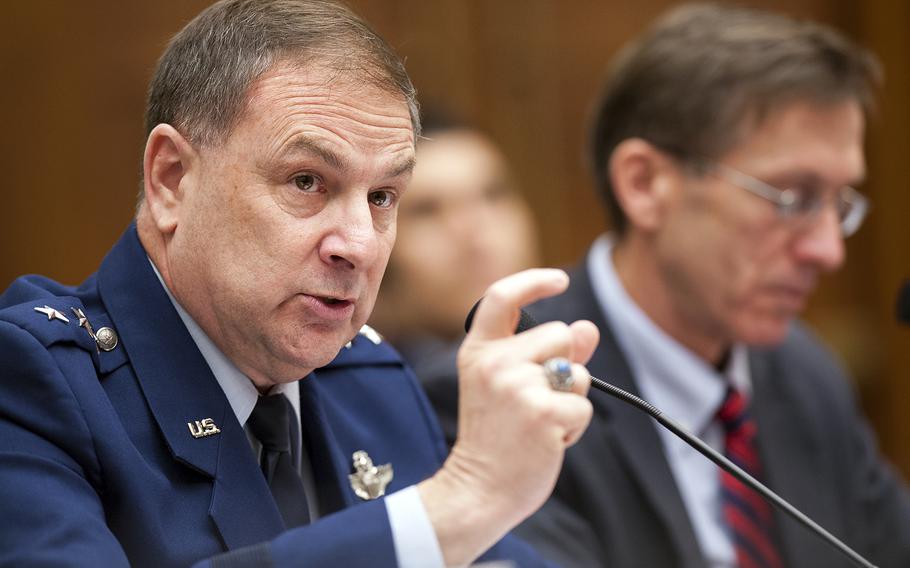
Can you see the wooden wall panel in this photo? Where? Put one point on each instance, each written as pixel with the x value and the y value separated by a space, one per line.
pixel 74 77
pixel 883 262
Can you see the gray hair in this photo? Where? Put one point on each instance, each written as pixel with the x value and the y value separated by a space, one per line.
pixel 702 73
pixel 202 79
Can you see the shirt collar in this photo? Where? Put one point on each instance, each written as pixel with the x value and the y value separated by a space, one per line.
pixel 238 388
pixel 669 375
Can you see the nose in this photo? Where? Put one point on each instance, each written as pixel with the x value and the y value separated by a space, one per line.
pixel 350 241
pixel 822 242
pixel 462 220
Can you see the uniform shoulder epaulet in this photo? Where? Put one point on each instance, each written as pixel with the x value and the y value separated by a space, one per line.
pixel 366 348
pixel 50 320
pixel 55 320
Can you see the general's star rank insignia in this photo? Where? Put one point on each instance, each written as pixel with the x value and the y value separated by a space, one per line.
pixel 52 314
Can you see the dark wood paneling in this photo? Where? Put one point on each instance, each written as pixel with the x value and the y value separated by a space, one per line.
pixel 882 259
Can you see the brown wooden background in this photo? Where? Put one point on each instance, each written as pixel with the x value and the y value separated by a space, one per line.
pixel 74 75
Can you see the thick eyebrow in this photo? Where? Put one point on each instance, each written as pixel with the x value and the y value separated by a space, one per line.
pixel 404 167
pixel 311 146
pixel 815 180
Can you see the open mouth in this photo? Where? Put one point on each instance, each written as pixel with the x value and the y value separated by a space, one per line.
pixel 328 308
pixel 334 302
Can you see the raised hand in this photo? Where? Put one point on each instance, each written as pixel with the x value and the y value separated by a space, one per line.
pixel 513 426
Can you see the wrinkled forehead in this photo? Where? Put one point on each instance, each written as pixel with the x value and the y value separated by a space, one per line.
pixel 300 115
pixel 324 82
pixel 821 136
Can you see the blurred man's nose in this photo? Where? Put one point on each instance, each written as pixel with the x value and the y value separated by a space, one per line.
pixel 821 242
pixel 463 218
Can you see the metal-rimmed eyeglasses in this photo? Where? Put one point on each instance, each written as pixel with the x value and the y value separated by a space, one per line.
pixel 799 204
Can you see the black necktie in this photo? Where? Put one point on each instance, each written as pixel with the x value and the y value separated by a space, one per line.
pixel 275 426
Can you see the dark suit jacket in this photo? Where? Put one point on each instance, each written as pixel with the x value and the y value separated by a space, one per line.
pixel 98 466
pixel 616 503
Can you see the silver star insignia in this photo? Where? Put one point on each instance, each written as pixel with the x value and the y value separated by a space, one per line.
pixel 52 314
pixel 369 481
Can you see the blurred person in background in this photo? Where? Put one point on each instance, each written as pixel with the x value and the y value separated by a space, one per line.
pixel 726 145
pixel 462 225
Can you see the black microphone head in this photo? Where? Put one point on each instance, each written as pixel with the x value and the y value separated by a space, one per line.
pixel 525 320
pixel 903 303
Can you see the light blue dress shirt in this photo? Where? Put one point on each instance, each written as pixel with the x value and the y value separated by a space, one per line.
pixel 686 388
pixel 415 540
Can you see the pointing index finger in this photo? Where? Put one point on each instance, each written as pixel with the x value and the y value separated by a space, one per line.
pixel 499 310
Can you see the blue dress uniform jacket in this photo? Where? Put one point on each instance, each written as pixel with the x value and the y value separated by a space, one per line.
pixel 99 467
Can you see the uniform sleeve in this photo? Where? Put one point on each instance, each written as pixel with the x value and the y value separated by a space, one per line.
pixel 50 510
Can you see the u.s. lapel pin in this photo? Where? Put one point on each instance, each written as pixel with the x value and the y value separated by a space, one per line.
pixel 203 428
pixel 369 481
pixel 52 314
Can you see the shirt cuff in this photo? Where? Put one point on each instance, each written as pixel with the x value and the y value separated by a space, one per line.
pixel 412 533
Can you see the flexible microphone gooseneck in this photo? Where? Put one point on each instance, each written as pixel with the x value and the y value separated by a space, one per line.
pixel 526 321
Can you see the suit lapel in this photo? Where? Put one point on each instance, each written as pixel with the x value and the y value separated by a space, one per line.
pixel 329 464
pixel 179 388
pixel 635 432
pixel 242 506
pixel 790 457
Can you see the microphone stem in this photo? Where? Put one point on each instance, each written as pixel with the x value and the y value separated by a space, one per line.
pixel 730 467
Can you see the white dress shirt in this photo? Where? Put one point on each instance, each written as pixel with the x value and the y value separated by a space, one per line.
pixel 683 386
pixel 415 540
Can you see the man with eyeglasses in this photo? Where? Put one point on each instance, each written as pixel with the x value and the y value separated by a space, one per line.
pixel 726 145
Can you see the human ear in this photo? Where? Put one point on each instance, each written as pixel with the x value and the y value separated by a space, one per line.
pixel 642 179
pixel 168 158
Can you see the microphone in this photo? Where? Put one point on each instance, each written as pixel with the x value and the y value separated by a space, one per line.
pixel 526 321
pixel 903 303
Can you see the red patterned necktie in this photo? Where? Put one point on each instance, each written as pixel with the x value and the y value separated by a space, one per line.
pixel 746 512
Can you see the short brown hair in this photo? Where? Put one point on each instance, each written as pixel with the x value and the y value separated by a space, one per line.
pixel 690 83
pixel 202 79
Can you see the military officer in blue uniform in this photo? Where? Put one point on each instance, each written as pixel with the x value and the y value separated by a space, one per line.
pixel 211 394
